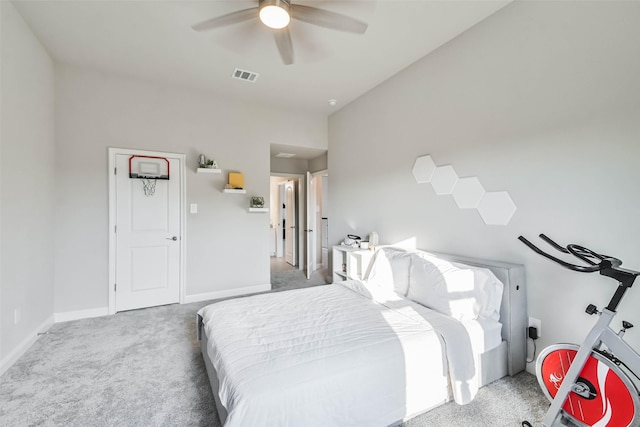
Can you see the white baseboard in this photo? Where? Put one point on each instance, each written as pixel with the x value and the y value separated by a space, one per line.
pixel 80 314
pixel 226 293
pixel 22 348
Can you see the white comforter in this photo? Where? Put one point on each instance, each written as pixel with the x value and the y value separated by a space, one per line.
pixel 338 355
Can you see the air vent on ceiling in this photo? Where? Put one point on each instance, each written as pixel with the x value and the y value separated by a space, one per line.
pixel 245 75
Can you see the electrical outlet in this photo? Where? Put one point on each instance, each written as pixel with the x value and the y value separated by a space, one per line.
pixel 16 316
pixel 537 323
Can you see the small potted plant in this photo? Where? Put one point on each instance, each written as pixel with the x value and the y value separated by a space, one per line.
pixel 257 202
pixel 211 164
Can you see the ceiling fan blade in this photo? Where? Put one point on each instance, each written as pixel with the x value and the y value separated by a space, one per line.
pixel 228 19
pixel 285 47
pixel 327 19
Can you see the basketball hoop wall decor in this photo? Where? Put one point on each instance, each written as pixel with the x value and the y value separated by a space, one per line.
pixel 149 169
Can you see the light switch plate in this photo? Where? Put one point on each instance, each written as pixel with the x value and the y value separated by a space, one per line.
pixel 194 208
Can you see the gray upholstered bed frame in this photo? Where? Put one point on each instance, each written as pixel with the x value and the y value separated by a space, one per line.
pixel 507 359
pixel 211 372
pixel 511 356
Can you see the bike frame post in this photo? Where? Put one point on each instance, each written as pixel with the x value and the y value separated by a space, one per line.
pixel 593 340
pixel 622 350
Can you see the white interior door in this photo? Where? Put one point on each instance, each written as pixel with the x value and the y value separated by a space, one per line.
pixel 148 247
pixel 290 223
pixel 309 240
pixel 281 222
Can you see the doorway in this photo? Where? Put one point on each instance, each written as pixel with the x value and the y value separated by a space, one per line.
pixel 285 218
pixel 293 163
pixel 298 224
pixel 146 223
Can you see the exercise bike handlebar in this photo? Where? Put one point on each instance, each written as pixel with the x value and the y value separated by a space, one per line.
pixel 580 252
pixel 606 265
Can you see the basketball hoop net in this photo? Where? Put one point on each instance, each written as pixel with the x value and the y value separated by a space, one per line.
pixel 149 186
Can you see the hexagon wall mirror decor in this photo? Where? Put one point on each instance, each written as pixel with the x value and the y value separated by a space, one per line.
pixel 496 208
pixel 444 179
pixel 468 192
pixel 423 169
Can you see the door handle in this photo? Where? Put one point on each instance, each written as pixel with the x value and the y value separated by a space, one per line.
pixel 174 238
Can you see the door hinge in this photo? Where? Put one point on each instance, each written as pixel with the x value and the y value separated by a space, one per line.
pixel 115 228
pixel 115 171
pixel 115 287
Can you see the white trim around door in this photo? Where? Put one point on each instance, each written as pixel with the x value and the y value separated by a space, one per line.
pixel 112 153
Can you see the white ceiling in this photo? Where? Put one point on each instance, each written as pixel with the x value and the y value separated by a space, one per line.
pixel 154 40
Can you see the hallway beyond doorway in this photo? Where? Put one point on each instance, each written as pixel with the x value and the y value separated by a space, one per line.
pixel 284 276
pixel 279 264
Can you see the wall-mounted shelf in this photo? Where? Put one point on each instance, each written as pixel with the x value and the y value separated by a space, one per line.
pixel 258 209
pixel 208 170
pixel 234 191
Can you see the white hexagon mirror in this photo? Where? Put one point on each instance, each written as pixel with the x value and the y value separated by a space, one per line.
pixel 423 169
pixel 468 192
pixel 444 179
pixel 496 208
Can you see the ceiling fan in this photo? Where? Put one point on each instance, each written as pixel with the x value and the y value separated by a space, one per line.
pixel 276 14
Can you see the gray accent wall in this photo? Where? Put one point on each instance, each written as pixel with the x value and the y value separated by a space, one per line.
pixel 27 172
pixel 96 110
pixel 541 99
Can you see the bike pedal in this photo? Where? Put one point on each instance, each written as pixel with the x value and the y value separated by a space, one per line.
pixel 591 309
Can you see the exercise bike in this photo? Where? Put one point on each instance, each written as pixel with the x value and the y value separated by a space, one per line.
pixel 589 385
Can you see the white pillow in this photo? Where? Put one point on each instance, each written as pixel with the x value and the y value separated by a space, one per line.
pixel 457 290
pixel 390 270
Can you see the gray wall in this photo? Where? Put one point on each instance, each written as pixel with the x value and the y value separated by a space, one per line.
pixel 542 99
pixel 283 165
pixel 319 163
pixel 298 166
pixel 27 191
pixel 95 111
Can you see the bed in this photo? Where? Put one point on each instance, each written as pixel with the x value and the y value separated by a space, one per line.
pixel 368 352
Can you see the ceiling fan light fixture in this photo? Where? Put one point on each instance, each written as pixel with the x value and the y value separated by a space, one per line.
pixel 275 13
